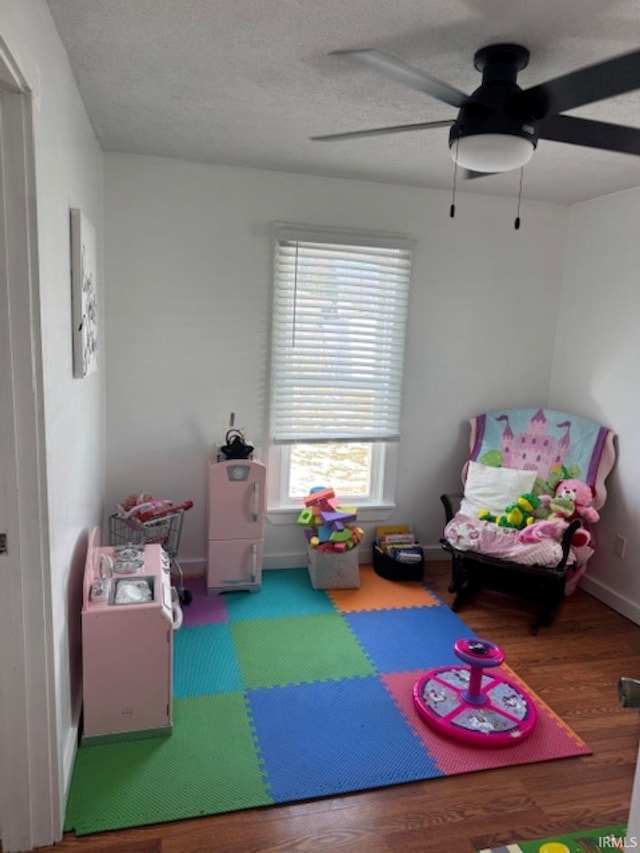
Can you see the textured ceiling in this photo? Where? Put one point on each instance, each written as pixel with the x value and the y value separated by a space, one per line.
pixel 247 82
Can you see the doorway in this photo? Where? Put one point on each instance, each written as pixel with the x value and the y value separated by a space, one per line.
pixel 30 785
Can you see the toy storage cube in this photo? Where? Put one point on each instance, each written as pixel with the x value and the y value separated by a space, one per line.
pixel 332 570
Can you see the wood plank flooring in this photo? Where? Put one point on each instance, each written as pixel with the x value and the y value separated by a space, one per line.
pixel 574 666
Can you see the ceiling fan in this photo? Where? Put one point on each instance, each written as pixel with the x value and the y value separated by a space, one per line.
pixel 498 126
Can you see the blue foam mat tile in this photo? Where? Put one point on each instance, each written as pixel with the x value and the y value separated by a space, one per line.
pixel 296 726
pixel 204 661
pixel 285 592
pixel 408 639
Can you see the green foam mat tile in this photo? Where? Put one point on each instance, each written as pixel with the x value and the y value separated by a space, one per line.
pixel 296 650
pixel 208 765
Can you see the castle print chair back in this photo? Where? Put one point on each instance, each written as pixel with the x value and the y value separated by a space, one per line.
pixel 533 485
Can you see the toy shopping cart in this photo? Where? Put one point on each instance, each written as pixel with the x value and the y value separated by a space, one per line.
pixel 162 525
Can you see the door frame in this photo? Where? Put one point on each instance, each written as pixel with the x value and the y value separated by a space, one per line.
pixel 31 802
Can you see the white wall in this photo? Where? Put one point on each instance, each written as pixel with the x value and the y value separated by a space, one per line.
pixel 188 261
pixel 595 372
pixel 69 173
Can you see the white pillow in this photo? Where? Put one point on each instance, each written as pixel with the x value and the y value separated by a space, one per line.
pixel 493 488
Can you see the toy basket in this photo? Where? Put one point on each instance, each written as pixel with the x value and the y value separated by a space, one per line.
pixel 334 570
pixel 402 558
pixel 164 530
pixel 396 570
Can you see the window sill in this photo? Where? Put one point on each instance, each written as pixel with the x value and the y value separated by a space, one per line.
pixel 366 512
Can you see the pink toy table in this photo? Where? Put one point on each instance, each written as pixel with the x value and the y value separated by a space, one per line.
pixel 470 705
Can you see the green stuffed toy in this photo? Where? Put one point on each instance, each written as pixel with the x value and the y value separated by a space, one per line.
pixel 526 509
pixel 561 508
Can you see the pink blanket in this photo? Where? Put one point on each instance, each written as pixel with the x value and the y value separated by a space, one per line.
pixel 470 534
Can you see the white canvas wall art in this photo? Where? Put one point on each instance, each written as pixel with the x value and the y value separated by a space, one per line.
pixel 84 295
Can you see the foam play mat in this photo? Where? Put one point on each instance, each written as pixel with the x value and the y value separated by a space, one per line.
pixel 606 838
pixel 293 693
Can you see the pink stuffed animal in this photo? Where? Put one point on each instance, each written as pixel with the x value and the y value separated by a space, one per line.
pixel 582 496
pixel 571 493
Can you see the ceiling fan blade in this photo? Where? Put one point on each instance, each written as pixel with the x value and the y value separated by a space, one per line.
pixel 379 131
pixel 592 134
pixel 468 174
pixel 406 74
pixel 584 86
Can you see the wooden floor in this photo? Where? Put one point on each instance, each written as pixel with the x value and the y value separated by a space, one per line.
pixel 574 666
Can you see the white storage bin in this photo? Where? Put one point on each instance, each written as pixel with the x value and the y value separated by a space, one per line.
pixel 334 570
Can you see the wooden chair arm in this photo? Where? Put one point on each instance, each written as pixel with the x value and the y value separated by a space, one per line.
pixel 451 503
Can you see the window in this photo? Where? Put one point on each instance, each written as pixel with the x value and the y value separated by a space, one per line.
pixel 347 466
pixel 337 353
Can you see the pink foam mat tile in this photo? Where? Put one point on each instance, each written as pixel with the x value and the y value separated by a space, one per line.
pixel 551 738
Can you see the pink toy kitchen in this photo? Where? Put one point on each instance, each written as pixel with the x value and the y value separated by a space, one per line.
pixel 129 614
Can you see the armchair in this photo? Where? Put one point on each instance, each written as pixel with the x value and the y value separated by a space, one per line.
pixel 508 530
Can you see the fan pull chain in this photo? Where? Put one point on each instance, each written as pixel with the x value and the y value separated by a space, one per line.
pixel 516 224
pixel 452 209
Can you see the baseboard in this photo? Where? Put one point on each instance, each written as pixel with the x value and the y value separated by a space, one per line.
pixel 298 559
pixel 293 560
pixel 193 568
pixel 198 568
pixel 611 598
pixel 433 553
pixel 68 759
pixel 69 749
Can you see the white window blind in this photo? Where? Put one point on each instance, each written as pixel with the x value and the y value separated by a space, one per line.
pixel 338 336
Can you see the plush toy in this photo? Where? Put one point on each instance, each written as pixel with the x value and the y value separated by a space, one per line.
pixel 522 512
pixel 582 496
pixel 558 508
pixel 547 488
pixel 132 501
pixel 572 500
pixel 134 505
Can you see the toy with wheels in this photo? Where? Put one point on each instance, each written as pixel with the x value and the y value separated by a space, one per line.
pixel 471 705
pixel 141 520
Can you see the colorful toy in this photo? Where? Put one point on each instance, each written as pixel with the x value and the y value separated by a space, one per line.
pixel 526 509
pixel 329 526
pixel 572 499
pixel 582 496
pixel 466 704
pixel 546 516
pixel 547 487
pixel 134 505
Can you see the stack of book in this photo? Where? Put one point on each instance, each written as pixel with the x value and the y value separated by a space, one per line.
pixel 401 546
pixel 394 545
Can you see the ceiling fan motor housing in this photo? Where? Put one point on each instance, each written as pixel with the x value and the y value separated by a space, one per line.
pixel 488 110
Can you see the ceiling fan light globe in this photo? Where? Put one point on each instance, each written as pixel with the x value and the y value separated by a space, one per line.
pixel 492 152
